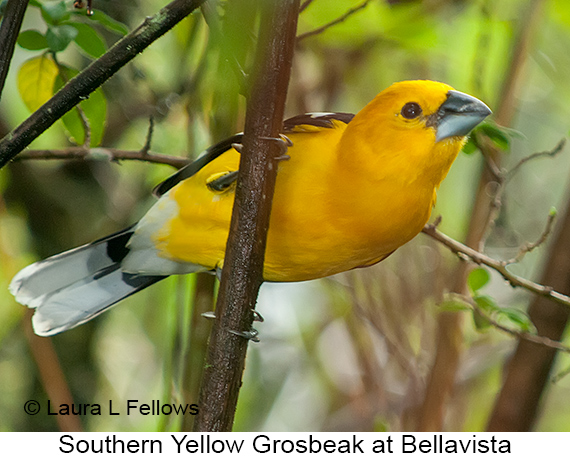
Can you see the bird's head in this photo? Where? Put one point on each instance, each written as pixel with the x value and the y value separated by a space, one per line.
pixel 421 123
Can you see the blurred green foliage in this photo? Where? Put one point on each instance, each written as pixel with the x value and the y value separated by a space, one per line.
pixel 347 353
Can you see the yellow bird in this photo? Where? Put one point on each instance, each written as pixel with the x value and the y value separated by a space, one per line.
pixel 356 187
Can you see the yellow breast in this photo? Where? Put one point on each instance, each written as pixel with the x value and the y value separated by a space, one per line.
pixel 324 220
pixel 349 195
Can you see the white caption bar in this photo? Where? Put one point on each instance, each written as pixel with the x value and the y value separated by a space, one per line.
pixel 282 444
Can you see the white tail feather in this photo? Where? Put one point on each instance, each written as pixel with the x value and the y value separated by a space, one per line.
pixel 71 288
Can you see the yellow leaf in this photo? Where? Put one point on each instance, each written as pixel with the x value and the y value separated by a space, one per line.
pixel 36 79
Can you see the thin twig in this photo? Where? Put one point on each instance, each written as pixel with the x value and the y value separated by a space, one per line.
pixel 466 253
pixel 304 6
pixel 94 76
pixel 82 116
pixel 488 156
pixel 561 374
pixel 536 339
pixel 557 149
pixel 146 148
pixel 338 20
pixel 528 247
pixel 113 154
pixel 502 177
pixel 497 178
pixel 86 126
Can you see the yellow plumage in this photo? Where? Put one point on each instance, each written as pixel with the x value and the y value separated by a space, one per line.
pixel 353 190
pixel 348 197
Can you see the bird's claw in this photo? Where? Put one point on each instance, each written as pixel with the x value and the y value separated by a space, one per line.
pixel 284 143
pixel 257 317
pixel 209 315
pixel 250 335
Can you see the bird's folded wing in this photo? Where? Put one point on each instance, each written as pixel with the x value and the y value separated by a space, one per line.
pixel 309 123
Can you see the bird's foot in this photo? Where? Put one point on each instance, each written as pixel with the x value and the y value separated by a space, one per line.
pixel 284 143
pixel 257 317
pixel 250 335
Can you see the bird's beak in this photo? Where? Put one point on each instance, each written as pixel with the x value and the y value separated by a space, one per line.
pixel 458 115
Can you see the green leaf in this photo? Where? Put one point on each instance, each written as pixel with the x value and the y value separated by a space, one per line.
pixel 553 212
pixel 88 39
pixel 487 304
pixel 59 37
pixel 32 40
pixel 105 21
pixel 480 322
pixel 517 318
pixel 54 12
pixel 471 146
pixel 35 81
pixel 477 279
pixel 453 306
pixel 94 108
pixel 496 135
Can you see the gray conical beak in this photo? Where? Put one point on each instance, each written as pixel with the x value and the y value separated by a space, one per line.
pixel 459 114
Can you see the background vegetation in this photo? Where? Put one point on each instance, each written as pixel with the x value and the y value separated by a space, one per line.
pixel 377 349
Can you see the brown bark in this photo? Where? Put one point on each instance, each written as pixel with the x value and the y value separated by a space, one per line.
pixel 51 375
pixel 449 340
pixel 9 30
pixel 243 264
pixel 528 371
pixel 79 88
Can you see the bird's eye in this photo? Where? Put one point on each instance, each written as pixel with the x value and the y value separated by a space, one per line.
pixel 411 110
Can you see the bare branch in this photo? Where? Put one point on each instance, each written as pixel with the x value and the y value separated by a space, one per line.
pixel 113 154
pixel 94 76
pixel 501 179
pixel 338 20
pixel 146 148
pixel 466 253
pixel 558 376
pixel 82 116
pixel 557 149
pixel 304 6
pixel 528 247
pixel 536 339
pixel 11 23
pixel 487 153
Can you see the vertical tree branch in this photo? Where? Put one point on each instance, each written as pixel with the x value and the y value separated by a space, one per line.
pixel 449 337
pixel 9 31
pixel 527 375
pixel 243 265
pixel 528 370
pixel 51 375
pixel 203 302
pixel 79 88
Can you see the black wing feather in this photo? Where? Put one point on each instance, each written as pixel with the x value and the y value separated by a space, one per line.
pixel 323 120
pixel 213 152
